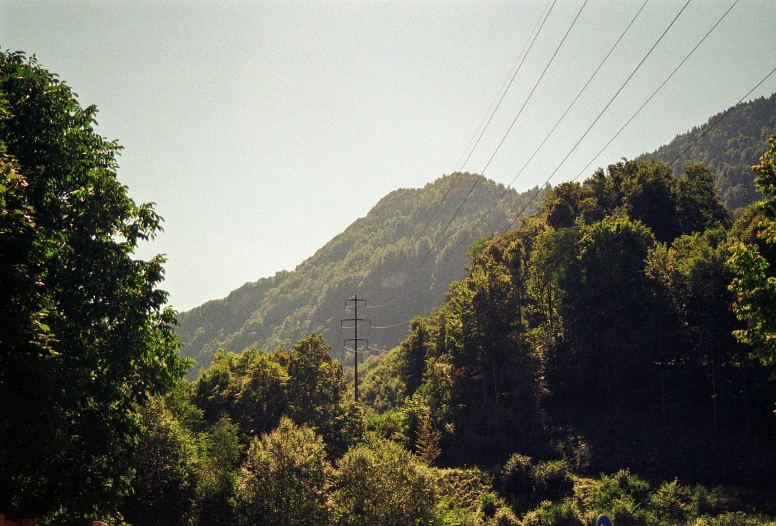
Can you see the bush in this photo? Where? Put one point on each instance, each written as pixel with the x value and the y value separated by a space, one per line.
pixel 504 517
pixel 736 519
pixel 382 483
pixel 670 502
pixel 489 503
pixel 516 477
pixel 702 501
pixel 619 486
pixel 623 496
pixel 563 513
pixel 283 479
pixel 552 480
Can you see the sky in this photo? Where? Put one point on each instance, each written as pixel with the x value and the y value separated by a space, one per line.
pixel 263 129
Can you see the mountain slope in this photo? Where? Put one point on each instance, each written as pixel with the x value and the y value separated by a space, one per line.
pixel 374 258
pixel 729 149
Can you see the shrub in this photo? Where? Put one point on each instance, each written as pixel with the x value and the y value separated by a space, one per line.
pixel 670 502
pixel 563 513
pixel 284 477
pixel 504 517
pixel 619 486
pixel 516 477
pixel 552 480
pixel 382 483
pixel 736 519
pixel 489 503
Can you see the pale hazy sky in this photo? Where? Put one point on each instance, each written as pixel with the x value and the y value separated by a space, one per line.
pixel 263 129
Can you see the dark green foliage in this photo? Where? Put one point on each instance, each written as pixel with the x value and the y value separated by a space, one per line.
pixel 600 325
pixel 647 192
pixel 380 386
pixel 375 256
pixel 729 149
pixel 754 285
pixel 255 389
pixel 86 335
pixel 602 278
pixel 671 502
pixel 564 513
pixel 621 486
pixel 249 387
pixel 165 480
pixel 220 454
pixel 551 480
pixel 504 517
pixel 489 504
pixel 516 477
pixel 316 395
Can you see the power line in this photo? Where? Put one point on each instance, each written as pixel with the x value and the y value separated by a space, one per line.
pixel 658 89
pixel 723 116
pixel 482 173
pixel 467 236
pixel 479 177
pixel 600 114
pixel 392 326
pixel 476 143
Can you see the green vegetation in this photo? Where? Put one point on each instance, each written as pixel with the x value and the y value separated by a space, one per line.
pixel 587 363
pixel 729 149
pixel 375 255
pixel 85 335
pixel 613 354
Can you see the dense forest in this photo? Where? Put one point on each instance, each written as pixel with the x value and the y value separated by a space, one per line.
pixel 728 148
pixel 377 254
pixel 614 353
pixel 380 255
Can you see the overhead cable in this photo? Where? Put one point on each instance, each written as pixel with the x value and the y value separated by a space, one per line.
pixel 481 130
pixel 599 116
pixel 467 236
pixel 723 116
pixel 657 90
pixel 481 175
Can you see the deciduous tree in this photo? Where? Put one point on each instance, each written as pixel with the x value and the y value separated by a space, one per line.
pixel 85 335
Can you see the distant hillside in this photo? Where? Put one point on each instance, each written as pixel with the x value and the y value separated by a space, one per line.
pixel 729 149
pixel 373 257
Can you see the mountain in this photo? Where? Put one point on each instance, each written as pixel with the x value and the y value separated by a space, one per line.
pixel 729 149
pixel 380 257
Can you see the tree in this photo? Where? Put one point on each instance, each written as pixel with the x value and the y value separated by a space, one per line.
pixel 316 391
pixel 602 306
pixel 283 480
pixel 382 483
pixel 85 335
pixel 165 481
pixel 249 387
pixel 754 286
pixel 218 474
pixel 427 442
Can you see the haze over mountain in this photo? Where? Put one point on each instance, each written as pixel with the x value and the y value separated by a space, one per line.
pixel 380 257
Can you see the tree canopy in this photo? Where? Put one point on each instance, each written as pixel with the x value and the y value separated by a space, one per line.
pixel 85 333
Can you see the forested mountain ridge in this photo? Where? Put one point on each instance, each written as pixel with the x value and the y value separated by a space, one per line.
pixel 611 326
pixel 730 149
pixel 374 257
pixel 613 354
